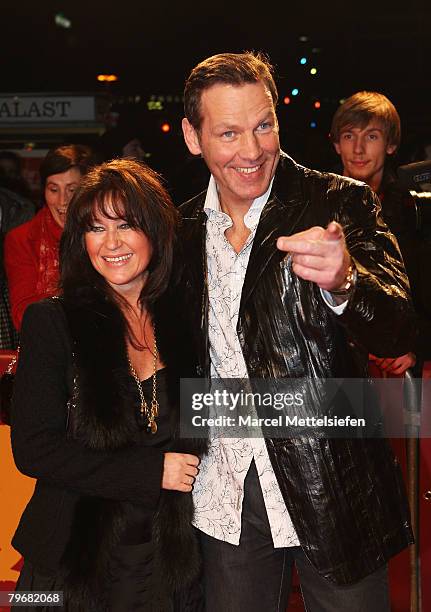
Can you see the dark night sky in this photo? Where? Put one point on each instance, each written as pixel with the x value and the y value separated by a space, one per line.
pixel 153 45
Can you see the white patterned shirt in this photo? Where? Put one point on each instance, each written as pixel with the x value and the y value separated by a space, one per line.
pixel 218 492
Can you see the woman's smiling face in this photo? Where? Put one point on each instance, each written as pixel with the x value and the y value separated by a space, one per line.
pixel 120 253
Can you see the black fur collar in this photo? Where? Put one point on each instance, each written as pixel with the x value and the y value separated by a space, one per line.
pixel 101 420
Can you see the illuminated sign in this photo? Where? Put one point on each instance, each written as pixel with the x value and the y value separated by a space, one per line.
pixel 46 109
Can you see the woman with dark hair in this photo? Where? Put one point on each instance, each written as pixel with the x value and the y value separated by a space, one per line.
pixel 94 410
pixel 31 250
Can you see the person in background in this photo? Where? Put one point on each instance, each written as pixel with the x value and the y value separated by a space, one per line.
pixel 16 208
pixel 11 174
pixel 366 133
pixel 95 411
pixel 31 250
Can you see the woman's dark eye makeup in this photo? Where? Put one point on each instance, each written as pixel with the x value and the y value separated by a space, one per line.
pixel 98 226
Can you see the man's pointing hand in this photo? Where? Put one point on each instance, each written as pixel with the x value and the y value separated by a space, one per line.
pixel 319 255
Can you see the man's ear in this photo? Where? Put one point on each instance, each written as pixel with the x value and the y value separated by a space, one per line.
pixel 391 148
pixel 191 137
pixel 337 147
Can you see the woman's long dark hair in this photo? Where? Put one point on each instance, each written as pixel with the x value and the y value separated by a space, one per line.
pixel 134 193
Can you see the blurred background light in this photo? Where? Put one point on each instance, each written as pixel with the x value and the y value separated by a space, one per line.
pixel 107 78
pixel 62 22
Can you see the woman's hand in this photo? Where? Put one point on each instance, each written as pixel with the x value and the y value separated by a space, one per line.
pixel 179 472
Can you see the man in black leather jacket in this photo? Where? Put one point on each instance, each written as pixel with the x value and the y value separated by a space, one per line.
pixel 287 273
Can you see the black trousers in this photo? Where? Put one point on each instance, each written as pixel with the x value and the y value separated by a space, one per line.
pixel 256 577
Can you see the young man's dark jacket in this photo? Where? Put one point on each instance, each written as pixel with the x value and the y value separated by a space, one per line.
pixel 345 496
pixel 399 209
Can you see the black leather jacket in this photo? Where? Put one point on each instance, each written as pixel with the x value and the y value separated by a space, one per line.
pixel 345 496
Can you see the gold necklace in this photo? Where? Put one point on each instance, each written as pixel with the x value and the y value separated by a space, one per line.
pixel 148 414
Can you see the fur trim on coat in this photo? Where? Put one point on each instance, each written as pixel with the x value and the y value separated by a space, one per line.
pixel 100 420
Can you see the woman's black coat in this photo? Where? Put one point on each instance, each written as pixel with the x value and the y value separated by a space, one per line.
pixel 86 463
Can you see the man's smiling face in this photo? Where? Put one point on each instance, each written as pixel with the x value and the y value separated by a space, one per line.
pixel 238 139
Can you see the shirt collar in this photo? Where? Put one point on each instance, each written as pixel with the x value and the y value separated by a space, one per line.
pixel 251 219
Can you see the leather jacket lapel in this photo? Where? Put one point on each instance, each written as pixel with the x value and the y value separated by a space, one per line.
pixel 283 215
